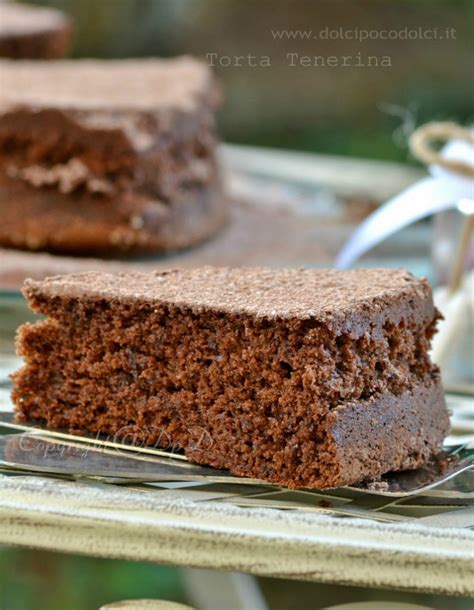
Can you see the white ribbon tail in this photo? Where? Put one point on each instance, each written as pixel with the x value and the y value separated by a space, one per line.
pixel 426 197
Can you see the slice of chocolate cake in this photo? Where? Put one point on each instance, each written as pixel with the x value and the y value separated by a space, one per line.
pixel 303 378
pixel 107 157
pixel 33 32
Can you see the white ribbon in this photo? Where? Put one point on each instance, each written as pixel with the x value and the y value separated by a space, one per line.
pixel 441 191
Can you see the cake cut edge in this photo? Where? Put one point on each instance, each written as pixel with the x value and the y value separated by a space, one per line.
pixel 359 438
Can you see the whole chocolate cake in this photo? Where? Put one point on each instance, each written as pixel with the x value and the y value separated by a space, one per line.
pixel 305 378
pixel 106 157
pixel 33 32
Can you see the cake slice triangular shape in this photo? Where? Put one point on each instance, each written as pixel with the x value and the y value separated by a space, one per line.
pixel 303 378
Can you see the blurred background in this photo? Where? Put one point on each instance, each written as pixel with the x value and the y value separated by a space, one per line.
pixel 264 52
pixel 356 110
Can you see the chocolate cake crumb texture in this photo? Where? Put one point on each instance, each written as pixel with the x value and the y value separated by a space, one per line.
pixel 304 378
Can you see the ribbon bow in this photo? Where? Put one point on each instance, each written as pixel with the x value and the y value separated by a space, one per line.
pixel 450 185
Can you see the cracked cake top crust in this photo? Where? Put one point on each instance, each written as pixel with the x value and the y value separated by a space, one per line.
pixel 351 301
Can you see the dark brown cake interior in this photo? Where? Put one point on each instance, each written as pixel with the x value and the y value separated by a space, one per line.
pixel 266 397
